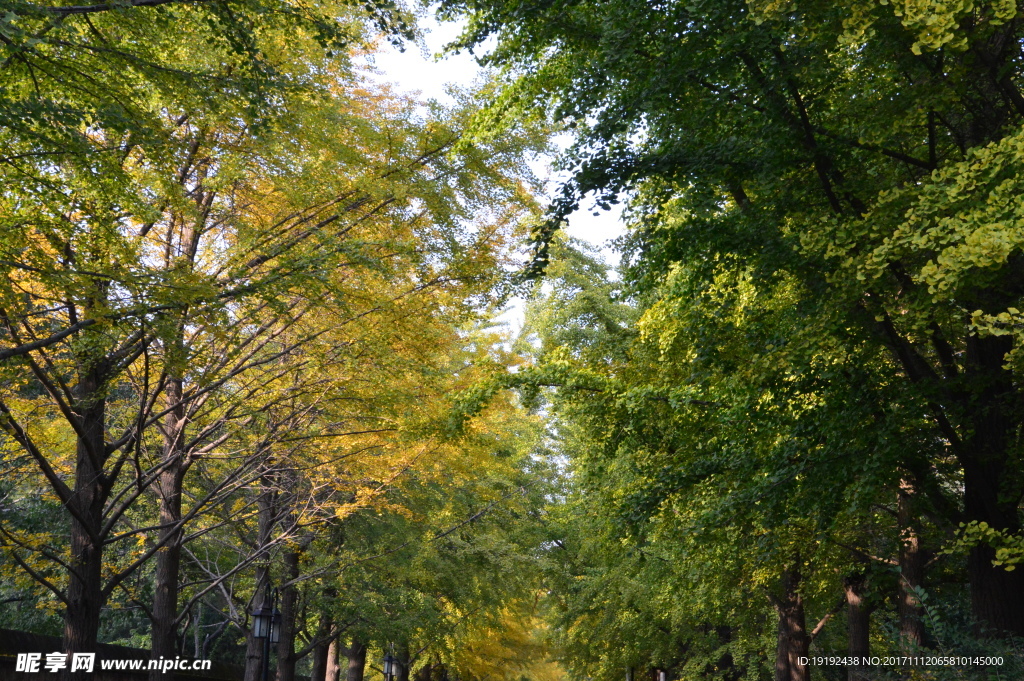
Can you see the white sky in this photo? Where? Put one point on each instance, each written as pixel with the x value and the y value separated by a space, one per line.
pixel 419 71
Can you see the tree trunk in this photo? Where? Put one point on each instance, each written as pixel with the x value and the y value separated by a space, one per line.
pixel 254 652
pixel 289 606
pixel 320 656
pixel 333 669
pixel 197 631
pixel 85 576
pixel 168 558
pixel 793 641
pixel 404 662
pixel 911 563
pixel 997 596
pixel 169 485
pixel 858 623
pixel 356 661
pixel 255 649
pixel 781 650
pixel 323 650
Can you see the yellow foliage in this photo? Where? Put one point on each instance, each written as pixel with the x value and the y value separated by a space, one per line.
pixel 511 647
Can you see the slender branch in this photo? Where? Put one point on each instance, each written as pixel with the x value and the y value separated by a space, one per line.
pixel 26 348
pixel 39 578
pixel 69 10
pixel 824 620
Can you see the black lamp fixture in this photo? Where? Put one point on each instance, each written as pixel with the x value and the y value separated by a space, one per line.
pixel 391 665
pixel 266 620
pixel 262 621
pixel 266 626
pixel 275 625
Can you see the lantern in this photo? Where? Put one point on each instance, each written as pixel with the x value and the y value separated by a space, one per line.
pixel 262 621
pixel 275 626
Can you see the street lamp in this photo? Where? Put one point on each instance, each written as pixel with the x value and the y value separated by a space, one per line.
pixel 390 667
pixel 266 625
pixel 262 621
pixel 275 623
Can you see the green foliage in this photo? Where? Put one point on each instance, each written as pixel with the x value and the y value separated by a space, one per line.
pixel 1009 548
pixel 258 278
pixel 823 276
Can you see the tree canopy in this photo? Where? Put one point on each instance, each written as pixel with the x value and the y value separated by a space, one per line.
pixel 247 356
pixel 811 355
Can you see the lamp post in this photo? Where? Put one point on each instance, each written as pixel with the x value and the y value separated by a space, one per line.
pixel 266 625
pixel 391 665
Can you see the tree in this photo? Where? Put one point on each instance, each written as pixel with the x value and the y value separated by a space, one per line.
pixel 701 501
pixel 452 548
pixel 153 297
pixel 787 132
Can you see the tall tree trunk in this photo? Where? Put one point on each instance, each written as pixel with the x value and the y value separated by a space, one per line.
pixel 323 650
pixel 356 661
pixel 85 576
pixel 289 606
pixel 858 623
pixel 333 672
pixel 320 656
pixel 168 559
pixel 792 642
pixel 254 652
pixel 404 662
pixel 781 649
pixel 911 563
pixel 197 631
pixel 171 480
pixel 997 596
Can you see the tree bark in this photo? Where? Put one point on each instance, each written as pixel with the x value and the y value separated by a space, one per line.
pixel 858 623
pixel 792 642
pixel 254 649
pixel 289 601
pixel 356 661
pixel 911 563
pixel 333 669
pixel 85 578
pixel 320 656
pixel 997 596
pixel 197 630
pixel 323 650
pixel 254 652
pixel 171 480
pixel 404 662
pixel 168 558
